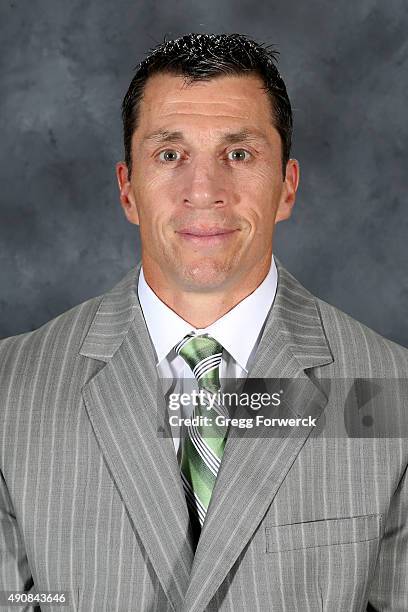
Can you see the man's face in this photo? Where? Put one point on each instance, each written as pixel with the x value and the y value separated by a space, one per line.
pixel 206 186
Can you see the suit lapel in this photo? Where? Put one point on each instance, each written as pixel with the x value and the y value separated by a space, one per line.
pixel 124 402
pixel 253 468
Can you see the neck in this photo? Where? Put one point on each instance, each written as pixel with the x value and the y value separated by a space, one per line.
pixel 201 309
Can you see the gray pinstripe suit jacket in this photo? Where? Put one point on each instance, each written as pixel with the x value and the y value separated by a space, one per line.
pixel 91 499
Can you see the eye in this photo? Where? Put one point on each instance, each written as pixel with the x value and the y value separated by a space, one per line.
pixel 169 155
pixel 239 155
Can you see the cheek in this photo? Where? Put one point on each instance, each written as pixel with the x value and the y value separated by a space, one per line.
pixel 269 194
pixel 155 203
pixel 261 195
pixel 152 219
pixel 262 183
pixel 156 224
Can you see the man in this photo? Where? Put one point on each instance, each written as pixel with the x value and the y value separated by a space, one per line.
pixel 97 499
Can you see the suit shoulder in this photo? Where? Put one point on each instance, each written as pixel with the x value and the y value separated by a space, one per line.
pixel 63 333
pixel 361 345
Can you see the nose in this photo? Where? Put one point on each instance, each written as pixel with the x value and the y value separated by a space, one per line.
pixel 204 185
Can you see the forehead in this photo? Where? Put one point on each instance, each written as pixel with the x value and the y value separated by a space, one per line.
pixel 221 101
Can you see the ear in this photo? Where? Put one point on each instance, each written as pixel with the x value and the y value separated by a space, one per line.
pixel 289 188
pixel 127 198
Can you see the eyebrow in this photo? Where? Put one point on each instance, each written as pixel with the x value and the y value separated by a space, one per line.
pixel 244 135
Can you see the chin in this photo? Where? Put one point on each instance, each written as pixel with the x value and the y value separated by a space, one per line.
pixel 204 275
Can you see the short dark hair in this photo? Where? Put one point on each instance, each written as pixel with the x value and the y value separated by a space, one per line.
pixel 201 57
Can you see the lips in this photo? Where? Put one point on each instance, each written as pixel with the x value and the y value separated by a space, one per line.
pixel 201 232
pixel 206 237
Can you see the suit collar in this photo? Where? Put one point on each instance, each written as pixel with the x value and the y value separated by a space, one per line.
pixel 295 327
pixel 117 310
pixel 295 315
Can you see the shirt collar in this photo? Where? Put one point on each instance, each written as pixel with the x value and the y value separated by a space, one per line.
pixel 167 328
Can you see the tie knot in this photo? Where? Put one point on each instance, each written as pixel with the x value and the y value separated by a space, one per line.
pixel 203 354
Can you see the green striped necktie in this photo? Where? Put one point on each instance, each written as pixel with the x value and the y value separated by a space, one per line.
pixel 203 445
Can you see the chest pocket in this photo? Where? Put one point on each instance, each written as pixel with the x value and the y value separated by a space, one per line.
pixel 324 532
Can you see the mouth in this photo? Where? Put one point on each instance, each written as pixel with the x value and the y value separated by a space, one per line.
pixel 206 236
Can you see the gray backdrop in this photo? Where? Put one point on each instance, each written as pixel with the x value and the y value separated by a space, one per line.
pixel 65 67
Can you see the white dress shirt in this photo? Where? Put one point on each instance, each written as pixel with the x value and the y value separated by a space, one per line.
pixel 238 331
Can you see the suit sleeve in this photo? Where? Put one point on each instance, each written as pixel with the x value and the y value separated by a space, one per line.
pixel 15 574
pixel 389 589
